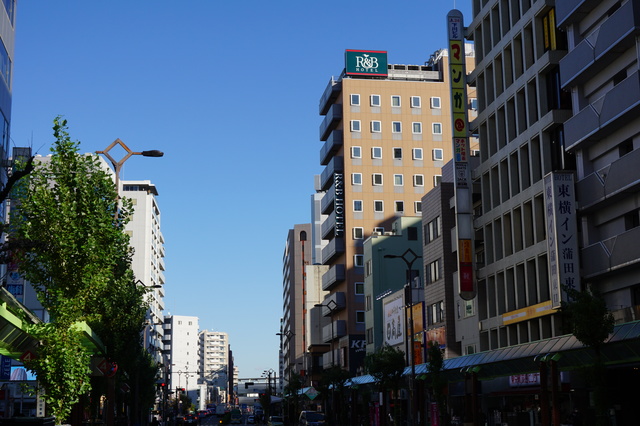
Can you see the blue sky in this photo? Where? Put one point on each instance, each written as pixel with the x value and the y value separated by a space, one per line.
pixel 229 91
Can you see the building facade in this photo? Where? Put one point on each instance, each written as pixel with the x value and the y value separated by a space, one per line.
pixel 386 134
pixel 182 350
pixel 148 258
pixel 214 364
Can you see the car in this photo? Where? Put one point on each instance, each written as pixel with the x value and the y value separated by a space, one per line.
pixel 275 421
pixel 251 420
pixel 311 418
pixel 191 419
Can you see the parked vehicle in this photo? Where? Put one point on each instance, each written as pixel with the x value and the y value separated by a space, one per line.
pixel 236 417
pixel 275 421
pixel 251 420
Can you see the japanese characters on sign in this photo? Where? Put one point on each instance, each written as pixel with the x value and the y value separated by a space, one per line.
pixel 562 236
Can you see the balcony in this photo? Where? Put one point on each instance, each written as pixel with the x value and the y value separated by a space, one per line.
pixel 571 11
pixel 328 200
pixel 332 250
pixel 328 226
pixel 336 274
pixel 330 121
pixel 336 165
pixel 330 95
pixel 610 183
pixel 616 35
pixel 611 255
pixel 339 330
pixel 331 146
pixel 336 301
pixel 605 115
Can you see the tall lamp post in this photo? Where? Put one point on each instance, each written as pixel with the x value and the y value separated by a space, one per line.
pixel 409 256
pixel 286 337
pixel 332 305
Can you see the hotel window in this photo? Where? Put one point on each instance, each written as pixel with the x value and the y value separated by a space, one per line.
pixel 376 152
pixel 418 180
pixel 399 205
pixel 356 178
pixel 378 206
pixel 356 152
pixel 358 233
pixel 438 154
pixel 355 99
pixel 415 102
pixel 375 100
pixel 355 125
pixel 417 153
pixel 379 230
pixel 436 180
pixel 358 260
pixel 416 128
pixel 360 317
pixel 417 206
pixel 397 153
pixel 359 287
pixel 435 102
pixel 376 126
pixel 357 205
pixel 398 180
pixel 395 101
pixel 396 127
pixel 473 102
pixel 377 179
pixel 437 128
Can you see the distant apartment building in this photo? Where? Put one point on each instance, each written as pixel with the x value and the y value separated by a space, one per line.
pixel 214 364
pixel 182 352
pixel 146 239
pixel 386 134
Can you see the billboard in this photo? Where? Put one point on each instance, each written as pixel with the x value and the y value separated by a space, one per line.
pixel 365 62
pixel 394 322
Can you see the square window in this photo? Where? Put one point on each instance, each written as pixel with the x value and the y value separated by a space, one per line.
pixel 358 260
pixel 399 206
pixel 378 230
pixel 376 126
pixel 355 99
pixel 418 180
pixel 415 102
pixel 435 103
pixel 360 317
pixel 397 153
pixel 417 153
pixel 359 286
pixel 398 180
pixel 436 180
pixel 416 128
pixel 437 128
pixel 356 152
pixel 375 100
pixel 356 178
pixel 355 125
pixel 377 179
pixel 357 205
pixel 396 127
pixel 378 206
pixel 438 154
pixel 417 206
pixel 473 102
pixel 395 101
pixel 376 152
pixel 358 233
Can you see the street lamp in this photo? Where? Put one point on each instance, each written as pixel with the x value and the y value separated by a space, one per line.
pixel 287 335
pixel 117 165
pixel 332 305
pixel 409 256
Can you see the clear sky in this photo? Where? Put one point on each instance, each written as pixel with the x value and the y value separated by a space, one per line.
pixel 229 90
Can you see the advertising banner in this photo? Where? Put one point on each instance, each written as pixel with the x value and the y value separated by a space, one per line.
pixel 394 322
pixel 365 62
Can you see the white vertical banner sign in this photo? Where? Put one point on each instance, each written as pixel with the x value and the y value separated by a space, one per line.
pixel 460 131
pixel 562 235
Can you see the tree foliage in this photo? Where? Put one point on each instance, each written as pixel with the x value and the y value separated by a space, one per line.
pixel 79 263
pixel 386 365
pixel 435 375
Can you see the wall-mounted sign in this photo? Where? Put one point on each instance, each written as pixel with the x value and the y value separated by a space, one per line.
pixel 365 62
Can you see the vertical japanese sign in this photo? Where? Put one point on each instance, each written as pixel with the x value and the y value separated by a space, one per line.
pixel 562 235
pixel 394 322
pixel 462 175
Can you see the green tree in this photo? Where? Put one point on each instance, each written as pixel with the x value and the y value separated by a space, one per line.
pixel 591 323
pixel 78 259
pixel 438 382
pixel 386 365
pixel 334 381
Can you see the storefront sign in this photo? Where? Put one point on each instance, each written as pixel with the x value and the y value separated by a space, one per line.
pixel 365 62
